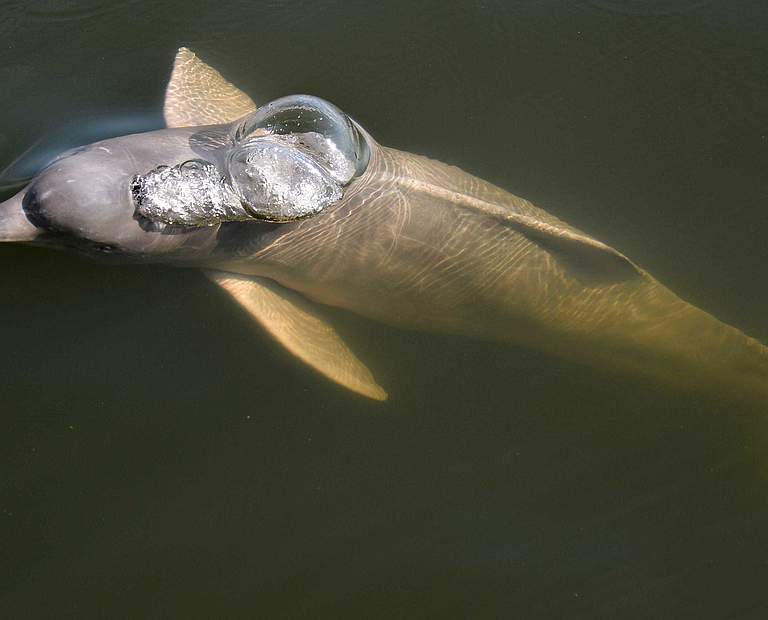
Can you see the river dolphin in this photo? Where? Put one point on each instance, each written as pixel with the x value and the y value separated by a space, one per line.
pixel 294 204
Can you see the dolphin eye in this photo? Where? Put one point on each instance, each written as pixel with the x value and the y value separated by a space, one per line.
pixel 293 157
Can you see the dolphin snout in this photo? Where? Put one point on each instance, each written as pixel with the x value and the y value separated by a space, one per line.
pixel 14 225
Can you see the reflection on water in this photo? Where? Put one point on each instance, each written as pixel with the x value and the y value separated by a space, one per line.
pixel 161 457
pixel 650 8
pixel 70 134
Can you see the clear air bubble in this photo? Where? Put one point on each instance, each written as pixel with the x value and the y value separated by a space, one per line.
pixel 317 127
pixel 293 157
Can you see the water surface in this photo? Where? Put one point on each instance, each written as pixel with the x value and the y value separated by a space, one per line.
pixel 161 457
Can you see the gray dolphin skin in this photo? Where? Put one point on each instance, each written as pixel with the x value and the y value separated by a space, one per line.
pixel 294 204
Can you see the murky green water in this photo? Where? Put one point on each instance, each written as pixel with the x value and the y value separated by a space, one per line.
pixel 161 457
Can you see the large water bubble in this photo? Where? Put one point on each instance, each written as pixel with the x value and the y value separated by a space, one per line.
pixel 293 157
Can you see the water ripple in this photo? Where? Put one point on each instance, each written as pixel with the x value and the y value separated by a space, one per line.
pixel 649 8
pixel 75 11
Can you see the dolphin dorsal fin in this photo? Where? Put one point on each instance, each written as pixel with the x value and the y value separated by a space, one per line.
pixel 197 94
pixel 295 325
pixel 592 261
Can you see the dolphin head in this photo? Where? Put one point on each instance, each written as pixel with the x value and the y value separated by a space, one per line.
pixel 171 195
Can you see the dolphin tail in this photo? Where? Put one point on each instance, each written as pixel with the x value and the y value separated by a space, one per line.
pixel 731 361
pixel 651 331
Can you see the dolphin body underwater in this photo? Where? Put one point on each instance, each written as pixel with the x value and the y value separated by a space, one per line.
pixel 295 197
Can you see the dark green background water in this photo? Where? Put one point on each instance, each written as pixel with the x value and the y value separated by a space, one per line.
pixel 161 457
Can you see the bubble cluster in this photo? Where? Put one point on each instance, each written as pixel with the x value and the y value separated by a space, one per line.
pixel 289 160
pixel 190 194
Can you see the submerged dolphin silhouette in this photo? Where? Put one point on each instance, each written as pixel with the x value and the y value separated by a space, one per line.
pixel 297 197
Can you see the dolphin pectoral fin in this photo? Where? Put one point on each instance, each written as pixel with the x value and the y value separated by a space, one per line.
pixel 292 322
pixel 587 259
pixel 197 94
pixel 15 226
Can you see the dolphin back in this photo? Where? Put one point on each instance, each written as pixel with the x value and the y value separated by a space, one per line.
pixel 424 245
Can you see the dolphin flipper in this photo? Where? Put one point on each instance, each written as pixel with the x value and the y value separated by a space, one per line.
pixel 197 94
pixel 293 324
